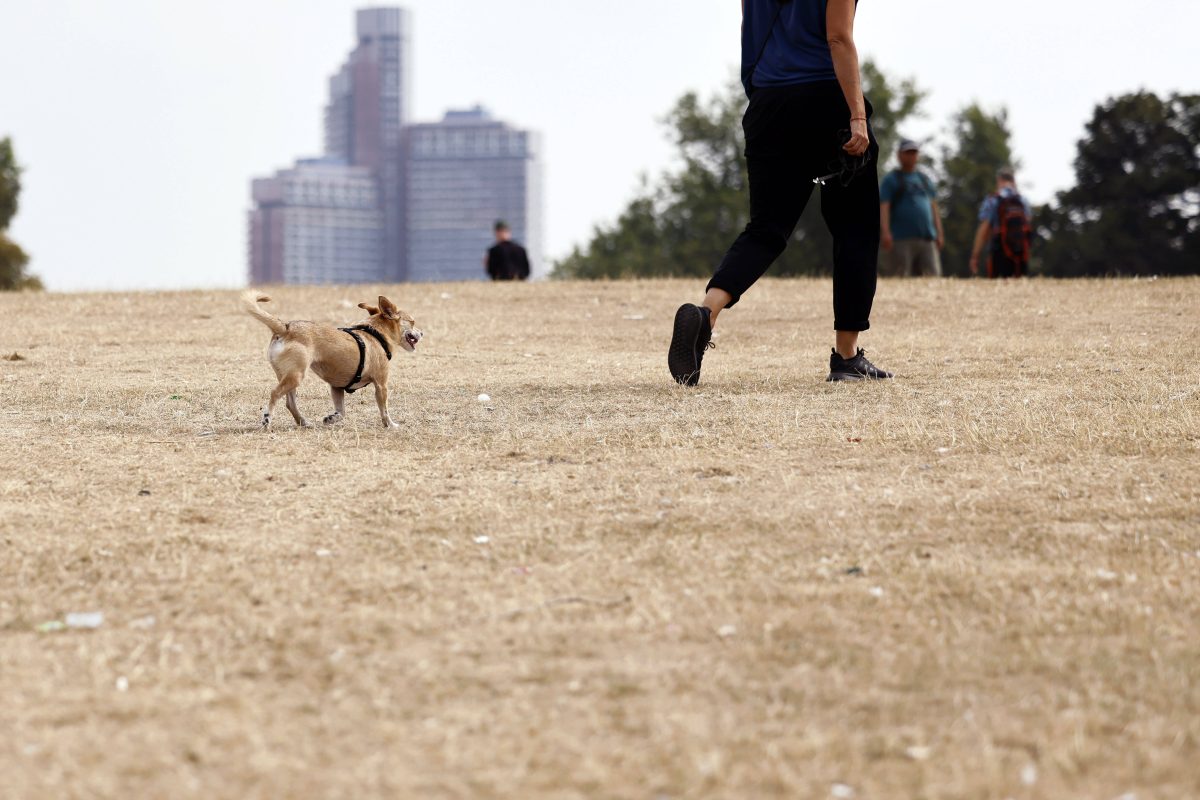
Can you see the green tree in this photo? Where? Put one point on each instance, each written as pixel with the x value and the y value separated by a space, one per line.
pixel 1135 208
pixel 13 259
pixel 980 144
pixel 683 224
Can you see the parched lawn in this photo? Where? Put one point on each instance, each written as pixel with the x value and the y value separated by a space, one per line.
pixel 981 580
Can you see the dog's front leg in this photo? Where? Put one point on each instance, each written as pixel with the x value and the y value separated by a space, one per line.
pixel 339 405
pixel 381 401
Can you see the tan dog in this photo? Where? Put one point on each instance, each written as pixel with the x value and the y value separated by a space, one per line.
pixel 347 359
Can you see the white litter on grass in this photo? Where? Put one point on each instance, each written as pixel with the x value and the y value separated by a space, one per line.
pixel 483 398
pixel 446 295
pixel 85 620
pixel 323 553
pixel 841 791
pixel 122 684
pixel 223 473
pixel 1029 774
pixel 482 539
pixel 918 753
pixel 876 591
pixel 941 451
pixel 635 317
pixel 725 631
pixel 1106 575
pixel 143 622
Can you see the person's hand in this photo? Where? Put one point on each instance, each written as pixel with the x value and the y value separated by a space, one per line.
pixel 859 140
pixel 885 239
pixel 941 241
pixel 974 265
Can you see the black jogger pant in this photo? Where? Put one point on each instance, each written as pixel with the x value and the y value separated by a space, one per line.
pixel 792 136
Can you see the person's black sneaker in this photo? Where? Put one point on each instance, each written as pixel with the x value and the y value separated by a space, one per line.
pixel 855 369
pixel 692 336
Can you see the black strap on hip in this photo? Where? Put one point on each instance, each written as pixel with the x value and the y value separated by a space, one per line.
pixel 362 351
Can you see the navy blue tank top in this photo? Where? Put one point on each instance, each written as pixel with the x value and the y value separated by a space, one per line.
pixel 794 48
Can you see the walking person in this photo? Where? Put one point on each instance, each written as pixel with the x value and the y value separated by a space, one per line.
pixel 1004 219
pixel 909 220
pixel 807 122
pixel 506 260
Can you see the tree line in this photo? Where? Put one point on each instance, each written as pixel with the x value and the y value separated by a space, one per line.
pixel 13 259
pixel 1135 208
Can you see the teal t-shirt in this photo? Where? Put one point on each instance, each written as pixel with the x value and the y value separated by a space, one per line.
pixel 912 217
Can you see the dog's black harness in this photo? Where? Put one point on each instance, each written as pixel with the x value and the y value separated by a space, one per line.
pixel 362 351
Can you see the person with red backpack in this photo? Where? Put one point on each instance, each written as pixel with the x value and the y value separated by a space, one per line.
pixel 1004 218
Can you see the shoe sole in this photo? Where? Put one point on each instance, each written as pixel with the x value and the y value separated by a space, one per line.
pixel 681 358
pixel 853 376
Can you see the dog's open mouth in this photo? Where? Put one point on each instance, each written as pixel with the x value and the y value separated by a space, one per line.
pixel 411 339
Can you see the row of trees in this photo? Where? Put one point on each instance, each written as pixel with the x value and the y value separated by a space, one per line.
pixel 13 259
pixel 1135 210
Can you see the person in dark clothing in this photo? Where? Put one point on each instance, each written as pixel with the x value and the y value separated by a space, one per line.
pixel 807 123
pixel 506 260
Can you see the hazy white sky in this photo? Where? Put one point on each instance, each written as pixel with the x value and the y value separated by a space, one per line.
pixel 141 122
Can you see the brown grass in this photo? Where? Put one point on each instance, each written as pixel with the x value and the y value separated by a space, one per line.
pixel 979 581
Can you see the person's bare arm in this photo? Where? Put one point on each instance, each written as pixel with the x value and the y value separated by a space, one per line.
pixel 981 236
pixel 885 225
pixel 839 32
pixel 937 221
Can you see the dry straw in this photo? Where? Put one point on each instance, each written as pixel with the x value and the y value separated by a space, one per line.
pixel 979 581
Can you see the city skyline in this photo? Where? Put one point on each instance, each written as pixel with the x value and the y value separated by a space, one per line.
pixel 389 200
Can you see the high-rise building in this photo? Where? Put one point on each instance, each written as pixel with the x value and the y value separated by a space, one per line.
pixel 462 175
pixel 389 202
pixel 367 110
pixel 318 222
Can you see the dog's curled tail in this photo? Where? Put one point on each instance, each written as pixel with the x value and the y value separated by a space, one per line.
pixel 250 300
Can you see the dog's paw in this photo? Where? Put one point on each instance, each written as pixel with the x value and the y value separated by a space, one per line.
pixel 392 426
pixel 303 423
pixel 266 421
pixel 333 418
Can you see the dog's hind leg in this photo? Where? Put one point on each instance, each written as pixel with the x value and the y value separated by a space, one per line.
pixel 339 405
pixel 381 401
pixel 287 385
pixel 295 409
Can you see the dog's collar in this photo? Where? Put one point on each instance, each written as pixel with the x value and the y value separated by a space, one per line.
pixel 362 352
pixel 378 337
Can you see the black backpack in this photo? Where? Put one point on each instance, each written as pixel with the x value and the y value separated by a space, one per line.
pixel 1013 232
pixel 902 185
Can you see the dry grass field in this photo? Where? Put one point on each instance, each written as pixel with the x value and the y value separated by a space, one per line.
pixel 981 580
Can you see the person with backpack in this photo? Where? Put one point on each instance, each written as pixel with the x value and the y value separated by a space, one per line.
pixel 807 125
pixel 909 220
pixel 1004 218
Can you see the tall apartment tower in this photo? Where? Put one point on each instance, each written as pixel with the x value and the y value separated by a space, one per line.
pixel 368 107
pixel 309 224
pixel 462 175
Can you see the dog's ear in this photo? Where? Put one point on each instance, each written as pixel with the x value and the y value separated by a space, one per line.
pixel 388 309
pixel 370 309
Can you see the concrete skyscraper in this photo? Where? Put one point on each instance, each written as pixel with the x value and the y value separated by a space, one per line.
pixel 388 201
pixel 462 175
pixel 367 111
pixel 337 219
